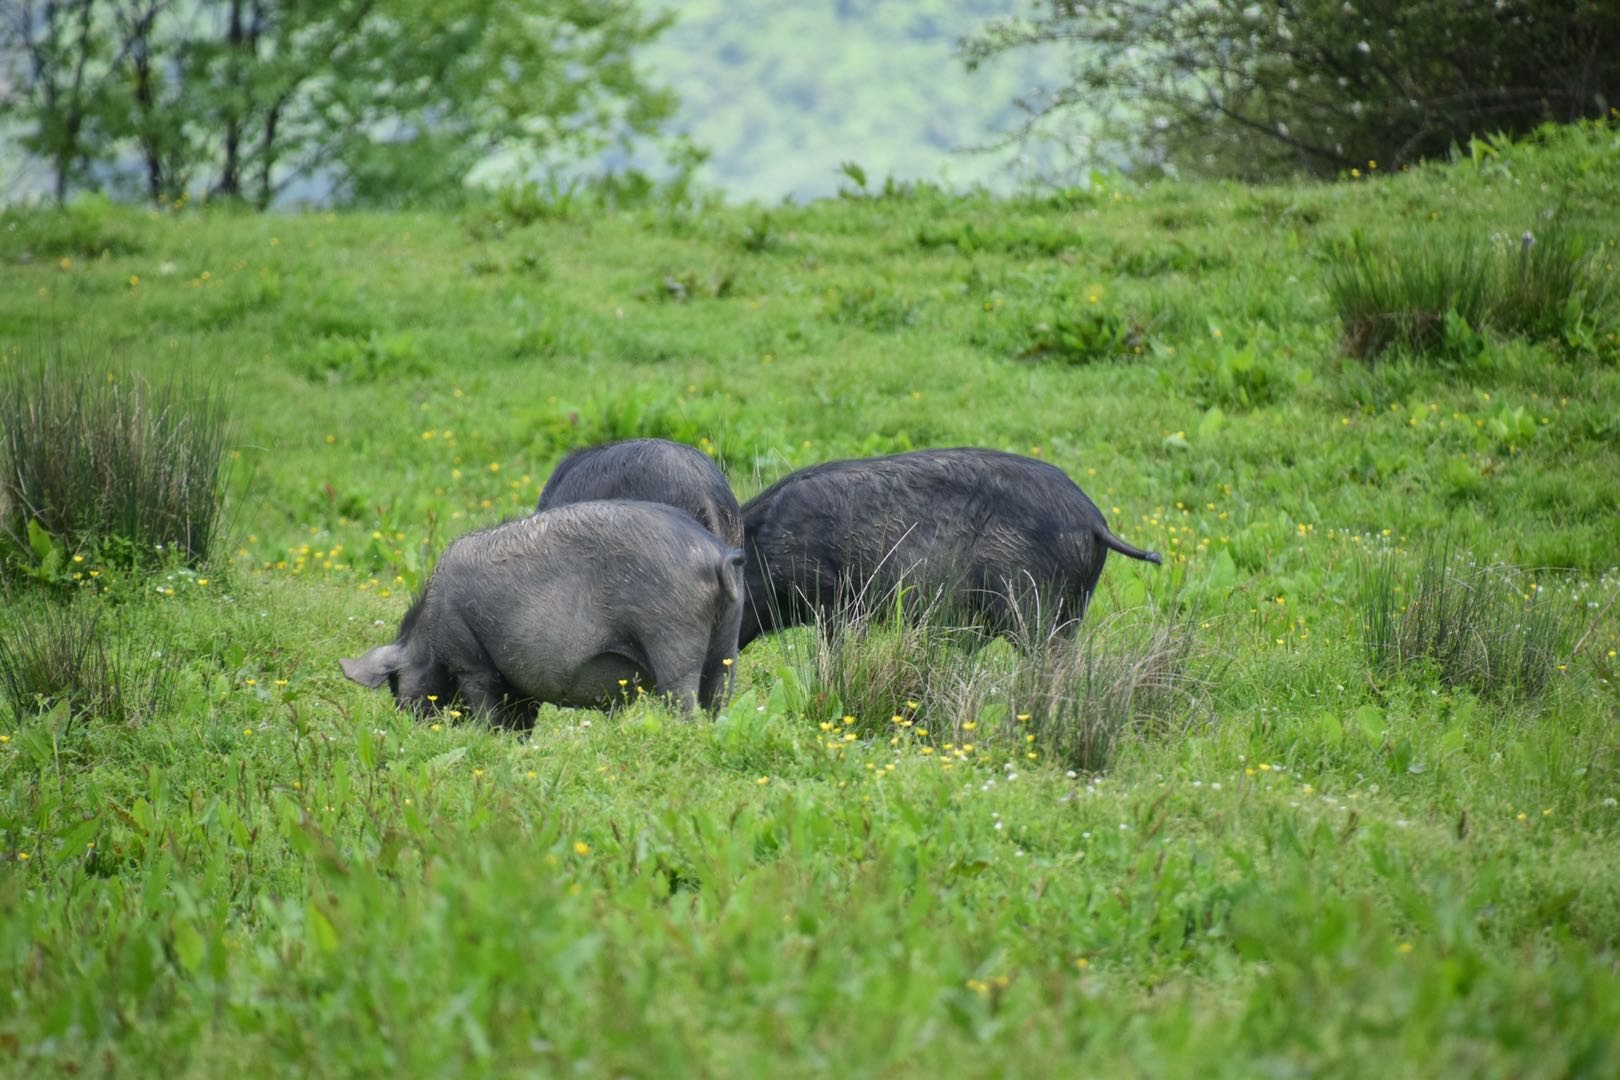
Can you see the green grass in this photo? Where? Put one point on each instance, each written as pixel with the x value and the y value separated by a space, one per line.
pixel 1295 856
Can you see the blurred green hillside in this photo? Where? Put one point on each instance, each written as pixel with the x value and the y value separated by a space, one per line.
pixel 781 93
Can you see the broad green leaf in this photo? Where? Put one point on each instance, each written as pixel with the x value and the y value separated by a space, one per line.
pixel 446 759
pixel 1370 719
pixel 40 541
pixel 189 946
pixel 322 934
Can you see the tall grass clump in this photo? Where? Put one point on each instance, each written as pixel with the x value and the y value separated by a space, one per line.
pixel 51 654
pixel 872 662
pixel 105 460
pixel 1408 296
pixel 1071 696
pixel 1551 283
pixel 1435 294
pixel 1486 628
pixel 1066 694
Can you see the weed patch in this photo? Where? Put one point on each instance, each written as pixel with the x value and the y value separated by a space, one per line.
pixel 1253 374
pixel 85 229
pixel 1012 238
pixel 1086 335
pixel 877 308
pixel 1145 259
pixel 1072 698
pixel 683 286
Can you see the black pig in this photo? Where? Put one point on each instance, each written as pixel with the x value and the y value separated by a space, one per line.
pixel 984 531
pixel 654 470
pixel 574 606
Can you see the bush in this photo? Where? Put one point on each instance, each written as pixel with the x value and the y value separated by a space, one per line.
pixel 1086 335
pixel 1489 629
pixel 67 653
pixel 107 462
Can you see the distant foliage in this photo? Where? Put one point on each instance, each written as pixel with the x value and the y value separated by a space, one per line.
pixel 385 101
pixel 1247 88
pixel 104 461
pixel 809 100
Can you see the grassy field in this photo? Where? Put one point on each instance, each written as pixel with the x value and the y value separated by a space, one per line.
pixel 1354 810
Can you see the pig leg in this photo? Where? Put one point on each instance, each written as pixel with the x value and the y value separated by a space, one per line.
pixel 720 665
pixel 683 690
pixel 487 693
pixel 483 692
pixel 677 670
pixel 715 688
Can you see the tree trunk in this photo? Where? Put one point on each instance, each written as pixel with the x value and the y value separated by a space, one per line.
pixel 267 154
pixel 145 101
pixel 230 181
pixel 67 150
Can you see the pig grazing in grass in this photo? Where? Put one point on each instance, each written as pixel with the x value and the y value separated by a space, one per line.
pixel 999 539
pixel 653 470
pixel 578 606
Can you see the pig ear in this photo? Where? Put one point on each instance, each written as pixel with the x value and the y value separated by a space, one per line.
pixel 373 669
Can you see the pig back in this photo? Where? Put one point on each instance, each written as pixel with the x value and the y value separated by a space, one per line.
pixel 946 519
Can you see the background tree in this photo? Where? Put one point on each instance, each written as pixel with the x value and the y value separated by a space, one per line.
pixel 146 110
pixel 367 100
pixel 54 72
pixel 1247 86
pixel 425 94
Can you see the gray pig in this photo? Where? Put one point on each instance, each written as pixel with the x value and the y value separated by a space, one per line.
pixel 988 532
pixel 574 606
pixel 655 470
